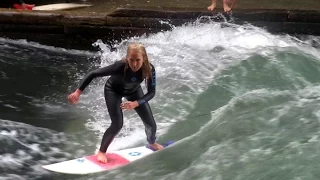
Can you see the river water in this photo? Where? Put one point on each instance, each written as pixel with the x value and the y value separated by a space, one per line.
pixel 240 102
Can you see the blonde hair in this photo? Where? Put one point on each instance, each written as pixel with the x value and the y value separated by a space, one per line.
pixel 146 66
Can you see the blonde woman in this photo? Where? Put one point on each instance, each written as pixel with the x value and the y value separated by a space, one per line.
pixel 125 78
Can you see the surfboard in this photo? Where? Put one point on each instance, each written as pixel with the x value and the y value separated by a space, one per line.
pixel 89 164
pixel 55 7
pixel 60 6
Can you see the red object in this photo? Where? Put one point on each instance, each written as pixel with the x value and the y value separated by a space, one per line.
pixel 18 6
pixel 114 160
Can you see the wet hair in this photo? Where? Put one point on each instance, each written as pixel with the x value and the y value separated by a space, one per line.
pixel 146 66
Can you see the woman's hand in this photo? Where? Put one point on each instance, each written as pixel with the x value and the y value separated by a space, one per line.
pixel 129 105
pixel 74 97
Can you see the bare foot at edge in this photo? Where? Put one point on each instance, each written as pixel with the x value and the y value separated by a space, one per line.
pixel 101 157
pixel 212 7
pixel 156 146
pixel 226 8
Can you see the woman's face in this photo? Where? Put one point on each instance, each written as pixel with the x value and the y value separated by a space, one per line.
pixel 135 60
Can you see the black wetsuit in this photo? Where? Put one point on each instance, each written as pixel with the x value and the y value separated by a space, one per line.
pixel 124 84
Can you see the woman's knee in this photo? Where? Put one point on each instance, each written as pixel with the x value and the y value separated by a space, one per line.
pixel 116 126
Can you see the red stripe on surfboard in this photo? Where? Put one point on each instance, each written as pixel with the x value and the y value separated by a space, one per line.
pixel 18 6
pixel 114 160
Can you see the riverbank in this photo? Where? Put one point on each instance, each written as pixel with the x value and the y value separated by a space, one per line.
pixel 80 28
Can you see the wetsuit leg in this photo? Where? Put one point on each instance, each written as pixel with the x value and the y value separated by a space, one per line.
pixel 145 113
pixel 113 101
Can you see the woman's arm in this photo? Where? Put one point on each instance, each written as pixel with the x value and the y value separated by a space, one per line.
pixel 151 86
pixel 105 71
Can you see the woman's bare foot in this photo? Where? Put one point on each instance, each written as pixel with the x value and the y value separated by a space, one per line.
pixel 212 7
pixel 156 146
pixel 101 157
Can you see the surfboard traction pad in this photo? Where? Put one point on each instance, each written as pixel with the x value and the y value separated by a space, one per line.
pixel 114 160
pixel 166 144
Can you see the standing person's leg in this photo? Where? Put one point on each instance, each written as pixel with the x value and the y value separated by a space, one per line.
pixel 213 5
pixel 146 115
pixel 226 6
pixel 113 101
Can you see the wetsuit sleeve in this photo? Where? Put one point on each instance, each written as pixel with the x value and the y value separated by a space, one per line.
pixel 151 86
pixel 105 71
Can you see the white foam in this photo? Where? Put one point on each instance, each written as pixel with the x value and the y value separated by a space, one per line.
pixel 10 161
pixel 12 177
pixel 11 133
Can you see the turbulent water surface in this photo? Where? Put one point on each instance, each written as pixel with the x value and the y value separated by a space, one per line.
pixel 241 102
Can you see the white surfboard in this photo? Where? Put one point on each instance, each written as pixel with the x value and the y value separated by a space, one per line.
pixel 89 164
pixel 60 6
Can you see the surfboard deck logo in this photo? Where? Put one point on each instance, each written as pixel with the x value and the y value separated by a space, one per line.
pixel 89 164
